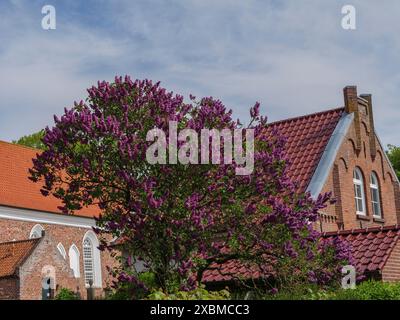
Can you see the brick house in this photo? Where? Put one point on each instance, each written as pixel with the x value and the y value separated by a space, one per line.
pixel 64 242
pixel 339 151
pixel 335 150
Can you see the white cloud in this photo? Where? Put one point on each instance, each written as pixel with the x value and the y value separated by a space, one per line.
pixel 291 55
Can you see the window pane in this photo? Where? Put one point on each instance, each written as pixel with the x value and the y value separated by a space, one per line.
pixel 375 195
pixel 377 209
pixel 373 179
pixel 360 207
pixel 358 191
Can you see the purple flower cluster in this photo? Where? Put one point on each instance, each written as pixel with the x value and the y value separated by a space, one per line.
pixel 178 218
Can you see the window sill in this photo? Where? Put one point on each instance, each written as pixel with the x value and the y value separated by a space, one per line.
pixel 363 217
pixel 379 219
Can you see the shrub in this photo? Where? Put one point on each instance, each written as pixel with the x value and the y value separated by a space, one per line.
pixel 199 293
pixel 134 290
pixel 66 294
pixel 369 290
pixel 305 292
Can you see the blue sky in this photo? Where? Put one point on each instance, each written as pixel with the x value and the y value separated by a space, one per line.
pixel 292 56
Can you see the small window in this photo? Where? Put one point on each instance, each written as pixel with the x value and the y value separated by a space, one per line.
pixel 359 193
pixel 375 196
pixel 36 232
pixel 61 249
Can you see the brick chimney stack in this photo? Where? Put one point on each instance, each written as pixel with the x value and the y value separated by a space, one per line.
pixel 351 106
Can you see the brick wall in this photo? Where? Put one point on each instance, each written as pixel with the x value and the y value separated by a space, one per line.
pixel 391 270
pixel 9 288
pixel 30 273
pixel 18 230
pixel 368 158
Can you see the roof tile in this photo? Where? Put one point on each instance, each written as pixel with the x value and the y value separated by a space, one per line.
pixel 307 137
pixel 12 254
pixel 16 190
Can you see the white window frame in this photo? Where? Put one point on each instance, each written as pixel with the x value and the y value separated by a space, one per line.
pixel 62 251
pixel 73 253
pixel 97 282
pixel 374 185
pixel 36 231
pixel 360 183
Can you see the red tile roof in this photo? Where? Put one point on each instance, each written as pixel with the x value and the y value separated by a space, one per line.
pixel 16 190
pixel 13 254
pixel 371 247
pixel 307 137
pixel 230 270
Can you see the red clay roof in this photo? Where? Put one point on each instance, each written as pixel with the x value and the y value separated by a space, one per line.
pixel 16 190
pixel 307 137
pixel 13 254
pixel 371 247
pixel 229 271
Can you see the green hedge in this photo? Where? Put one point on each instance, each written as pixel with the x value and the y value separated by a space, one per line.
pixel 198 294
pixel 369 290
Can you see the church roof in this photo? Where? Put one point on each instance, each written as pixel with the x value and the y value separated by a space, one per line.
pixel 16 190
pixel 13 254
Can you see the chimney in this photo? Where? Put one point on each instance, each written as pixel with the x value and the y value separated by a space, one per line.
pixel 372 141
pixel 351 106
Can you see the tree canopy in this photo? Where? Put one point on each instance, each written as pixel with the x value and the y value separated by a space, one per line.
pixel 394 157
pixel 180 219
pixel 33 140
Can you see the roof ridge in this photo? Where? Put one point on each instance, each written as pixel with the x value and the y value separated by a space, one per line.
pixel 19 241
pixel 361 230
pixel 17 145
pixel 305 116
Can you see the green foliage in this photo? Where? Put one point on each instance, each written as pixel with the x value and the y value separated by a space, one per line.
pixel 148 279
pixel 369 290
pixel 33 140
pixel 198 294
pixel 394 157
pixel 66 294
pixel 300 292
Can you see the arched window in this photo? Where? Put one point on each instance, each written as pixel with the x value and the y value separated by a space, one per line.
pixel 91 259
pixel 359 193
pixel 61 249
pixel 375 197
pixel 88 263
pixel 73 254
pixel 36 231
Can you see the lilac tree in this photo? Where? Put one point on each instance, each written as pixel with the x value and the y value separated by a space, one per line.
pixel 179 219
